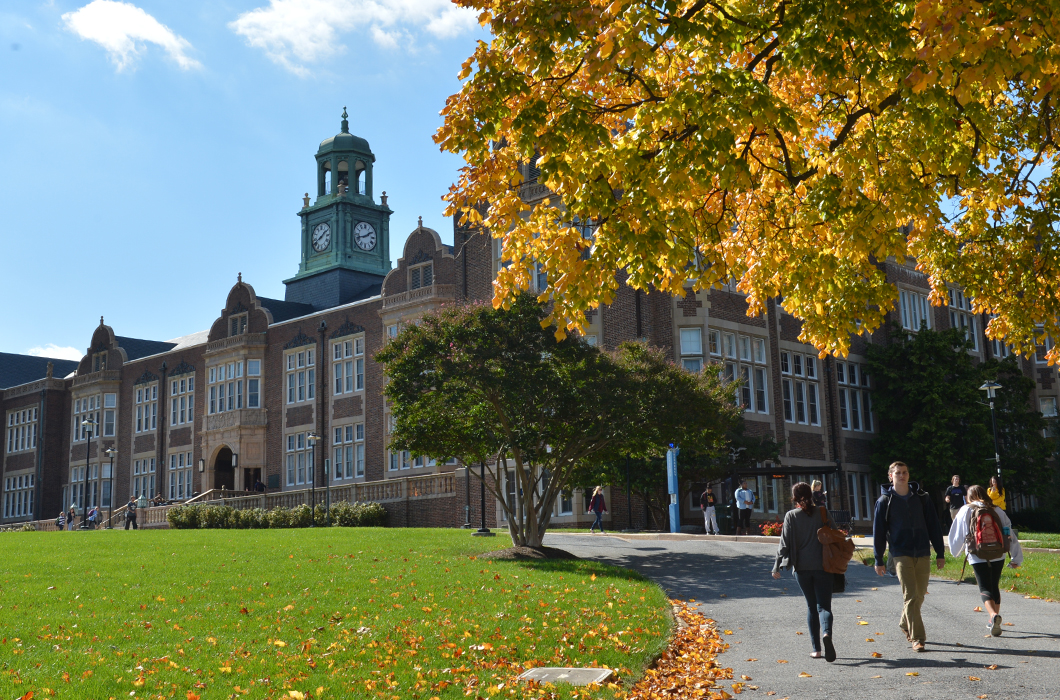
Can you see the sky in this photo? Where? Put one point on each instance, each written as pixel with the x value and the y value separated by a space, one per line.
pixel 152 150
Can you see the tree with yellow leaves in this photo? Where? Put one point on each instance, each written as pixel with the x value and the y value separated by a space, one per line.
pixel 788 145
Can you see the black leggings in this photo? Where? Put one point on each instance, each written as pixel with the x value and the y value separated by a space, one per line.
pixel 988 578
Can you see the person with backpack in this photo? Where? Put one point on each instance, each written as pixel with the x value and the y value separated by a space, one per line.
pixel 60 522
pixel 905 519
pixel 130 513
pixel 597 505
pixel 800 549
pixel 984 533
pixel 708 503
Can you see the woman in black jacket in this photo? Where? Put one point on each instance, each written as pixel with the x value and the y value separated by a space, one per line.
pixel 800 550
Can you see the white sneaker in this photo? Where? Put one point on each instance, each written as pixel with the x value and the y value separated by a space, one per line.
pixel 995 626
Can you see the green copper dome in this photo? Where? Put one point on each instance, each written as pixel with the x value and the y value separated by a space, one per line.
pixel 345 142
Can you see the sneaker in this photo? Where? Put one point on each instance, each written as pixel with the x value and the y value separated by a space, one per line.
pixel 816 654
pixel 829 649
pixel 995 626
pixel 919 647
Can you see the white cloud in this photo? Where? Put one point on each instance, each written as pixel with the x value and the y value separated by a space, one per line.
pixel 56 352
pixel 295 33
pixel 123 29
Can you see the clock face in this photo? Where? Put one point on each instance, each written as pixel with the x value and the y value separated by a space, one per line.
pixel 321 237
pixel 364 235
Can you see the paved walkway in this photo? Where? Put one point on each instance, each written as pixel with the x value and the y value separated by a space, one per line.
pixel 731 582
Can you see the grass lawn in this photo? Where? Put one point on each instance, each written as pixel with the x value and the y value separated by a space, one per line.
pixel 330 612
pixel 1043 540
pixel 1039 576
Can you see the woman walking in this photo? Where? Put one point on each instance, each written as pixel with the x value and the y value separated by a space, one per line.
pixel 800 550
pixel 597 505
pixel 973 528
pixel 820 496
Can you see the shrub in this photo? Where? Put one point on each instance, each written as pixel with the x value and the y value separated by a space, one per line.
pixel 1038 520
pixel 279 517
pixel 772 529
pixel 301 516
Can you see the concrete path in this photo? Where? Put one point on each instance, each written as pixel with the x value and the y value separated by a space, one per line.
pixel 731 582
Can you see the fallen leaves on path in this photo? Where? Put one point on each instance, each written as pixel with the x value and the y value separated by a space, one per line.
pixel 992 667
pixel 913 673
pixel 877 655
pixel 805 675
pixel 688 668
pixel 974 678
pixel 977 609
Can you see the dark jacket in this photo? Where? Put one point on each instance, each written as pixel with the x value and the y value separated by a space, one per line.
pixel 799 547
pixel 910 526
pixel 597 504
pixel 707 500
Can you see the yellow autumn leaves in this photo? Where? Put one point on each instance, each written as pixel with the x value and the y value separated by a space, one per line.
pixel 789 148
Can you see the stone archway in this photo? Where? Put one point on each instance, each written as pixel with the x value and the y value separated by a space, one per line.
pixel 223 473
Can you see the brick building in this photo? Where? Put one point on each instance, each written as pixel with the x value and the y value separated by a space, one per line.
pixel 278 391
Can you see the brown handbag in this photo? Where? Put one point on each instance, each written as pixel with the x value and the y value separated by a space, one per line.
pixel 836 548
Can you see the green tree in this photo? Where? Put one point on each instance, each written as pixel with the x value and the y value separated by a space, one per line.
pixel 932 416
pixel 786 145
pixel 498 387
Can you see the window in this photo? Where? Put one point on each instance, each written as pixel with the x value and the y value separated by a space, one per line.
pixel 692 349
pixel 915 310
pixel 760 350
pixel 348 366
pixel 391 331
pixel 962 317
pixel 730 346
pixel 590 340
pixel 18 496
pixel 715 342
pixel 86 409
pixel 180 472
pixel 143 481
pixel 147 407
pixel 301 376
pixel 751 351
pixel 855 405
pixel 540 278
pixel 801 398
pixel 300 465
pixel 1041 349
pixel 22 429
pixel 348 447
pixel 182 401
pixel 1048 406
pixel 421 276
pixel 237 325
pixel 566 503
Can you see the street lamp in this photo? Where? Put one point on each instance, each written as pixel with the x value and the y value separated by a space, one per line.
pixel 110 452
pixel 88 425
pixel 483 531
pixel 991 387
pixel 313 439
pixel 141 503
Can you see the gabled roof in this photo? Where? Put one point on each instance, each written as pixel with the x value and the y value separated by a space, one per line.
pixel 135 348
pixel 285 310
pixel 16 370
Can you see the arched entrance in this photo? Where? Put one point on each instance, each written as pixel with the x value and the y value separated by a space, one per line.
pixel 223 473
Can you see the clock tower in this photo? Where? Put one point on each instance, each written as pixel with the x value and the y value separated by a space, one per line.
pixel 345 234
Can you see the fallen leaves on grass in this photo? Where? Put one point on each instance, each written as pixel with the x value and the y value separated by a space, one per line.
pixel 688 668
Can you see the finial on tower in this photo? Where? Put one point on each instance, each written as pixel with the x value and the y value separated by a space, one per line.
pixel 345 123
pixel 239 278
pixel 51 369
pixel 305 201
pixel 383 198
pixel 421 222
pixel 101 320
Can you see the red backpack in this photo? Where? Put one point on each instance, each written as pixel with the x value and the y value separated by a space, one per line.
pixel 986 538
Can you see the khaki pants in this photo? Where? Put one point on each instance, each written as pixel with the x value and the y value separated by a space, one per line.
pixel 913 574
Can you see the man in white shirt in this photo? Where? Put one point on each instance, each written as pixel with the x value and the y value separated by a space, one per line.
pixel 745 501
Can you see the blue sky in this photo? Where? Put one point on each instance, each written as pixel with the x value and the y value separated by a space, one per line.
pixel 153 150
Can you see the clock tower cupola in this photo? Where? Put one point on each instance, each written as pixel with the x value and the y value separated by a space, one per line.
pixel 345 241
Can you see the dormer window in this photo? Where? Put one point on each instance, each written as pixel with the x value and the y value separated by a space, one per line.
pixel 237 325
pixel 421 276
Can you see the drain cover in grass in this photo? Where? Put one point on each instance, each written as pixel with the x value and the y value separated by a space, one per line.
pixel 573 676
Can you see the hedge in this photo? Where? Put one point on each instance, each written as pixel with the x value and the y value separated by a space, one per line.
pixel 343 514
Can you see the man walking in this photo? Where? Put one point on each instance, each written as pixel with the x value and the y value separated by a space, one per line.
pixel 745 501
pixel 130 513
pixel 906 520
pixel 955 497
pixel 708 502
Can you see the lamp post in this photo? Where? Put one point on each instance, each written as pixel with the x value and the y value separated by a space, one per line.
pixel 89 425
pixel 483 531
pixel 141 503
pixel 313 439
pixel 110 452
pixel 991 387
